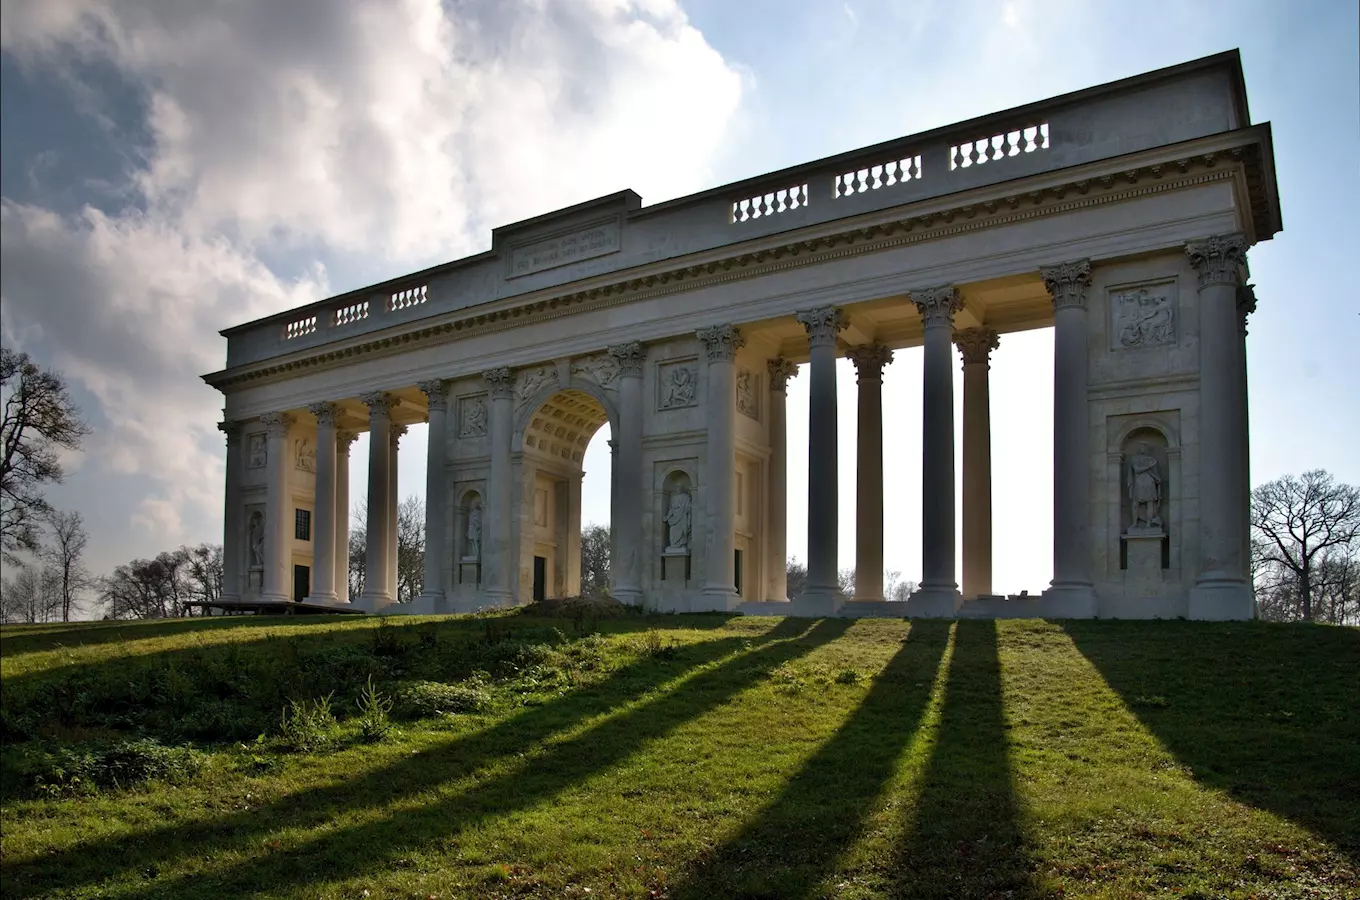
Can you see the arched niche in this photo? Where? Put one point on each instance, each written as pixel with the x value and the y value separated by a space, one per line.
pixel 677 504
pixel 469 537
pixel 1149 495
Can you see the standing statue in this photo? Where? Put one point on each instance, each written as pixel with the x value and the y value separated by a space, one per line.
pixel 256 540
pixel 474 532
pixel 1145 490
pixel 678 520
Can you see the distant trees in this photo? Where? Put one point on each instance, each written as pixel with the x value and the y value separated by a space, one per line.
pixel 1306 549
pixel 595 560
pixel 894 588
pixel 64 554
pixel 165 586
pixel 410 549
pixel 40 419
pixel 31 594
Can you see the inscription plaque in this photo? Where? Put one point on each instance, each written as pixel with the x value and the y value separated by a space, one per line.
pixel 594 240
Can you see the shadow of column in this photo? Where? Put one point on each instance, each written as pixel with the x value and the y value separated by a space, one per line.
pixel 790 848
pixel 966 839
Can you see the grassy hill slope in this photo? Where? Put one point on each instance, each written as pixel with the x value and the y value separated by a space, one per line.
pixel 680 757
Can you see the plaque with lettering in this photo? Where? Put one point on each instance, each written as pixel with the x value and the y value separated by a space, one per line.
pixel 596 239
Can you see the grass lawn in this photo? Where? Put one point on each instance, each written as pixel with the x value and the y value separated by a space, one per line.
pixel 681 757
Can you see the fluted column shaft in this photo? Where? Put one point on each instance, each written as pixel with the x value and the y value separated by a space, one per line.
pixel 777 529
pixel 975 346
pixel 1246 305
pixel 823 327
pixel 500 559
pixel 377 561
pixel 628 586
pixel 614 515
pixel 437 544
pixel 721 343
pixel 939 593
pixel 323 506
pixel 233 560
pixel 278 505
pixel 342 445
pixel 393 501
pixel 1221 590
pixel 869 360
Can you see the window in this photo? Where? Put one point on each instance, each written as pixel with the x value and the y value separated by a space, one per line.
pixel 302 525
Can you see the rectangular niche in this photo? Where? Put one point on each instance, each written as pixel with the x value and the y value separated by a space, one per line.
pixel 1143 315
pixel 677 383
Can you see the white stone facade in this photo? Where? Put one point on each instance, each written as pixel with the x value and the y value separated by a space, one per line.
pixel 1120 216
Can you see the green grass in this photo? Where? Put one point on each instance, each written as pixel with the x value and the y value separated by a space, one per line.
pixel 680 757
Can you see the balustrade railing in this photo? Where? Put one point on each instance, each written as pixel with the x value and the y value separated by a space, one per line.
pixel 406 299
pixel 880 175
pixel 350 312
pixel 999 146
pixel 299 327
pixel 769 204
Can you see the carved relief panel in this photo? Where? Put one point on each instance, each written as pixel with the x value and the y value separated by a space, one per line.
pixel 304 454
pixel 677 384
pixel 748 393
pixel 1143 316
pixel 472 416
pixel 257 451
pixel 602 368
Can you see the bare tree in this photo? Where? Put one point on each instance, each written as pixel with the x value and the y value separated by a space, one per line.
pixel 797 575
pixel 202 572
pixel 410 548
pixel 845 583
pixel 1298 523
pixel 31 595
pixel 65 554
pixel 147 588
pixel 595 560
pixel 40 419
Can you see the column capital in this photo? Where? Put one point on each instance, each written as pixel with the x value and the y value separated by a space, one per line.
pixel 976 344
pixel 277 423
pixel 869 360
pixel 343 439
pixel 325 412
pixel 398 432
pixel 231 429
pixel 1219 259
pixel 937 305
pixel 436 394
pixel 1246 303
pixel 379 403
pixel 823 325
pixel 499 382
pixel 721 341
pixel 1067 283
pixel 631 357
pixel 781 370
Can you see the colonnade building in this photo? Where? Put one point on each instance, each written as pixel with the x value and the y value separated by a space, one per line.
pixel 1120 216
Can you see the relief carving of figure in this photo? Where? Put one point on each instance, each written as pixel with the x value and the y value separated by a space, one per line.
pixel 746 394
pixel 1145 491
pixel 257 540
pixel 679 388
pixel 473 550
pixel 603 369
pixel 533 381
pixel 1145 319
pixel 474 418
pixel 259 452
pixel 305 454
pixel 678 518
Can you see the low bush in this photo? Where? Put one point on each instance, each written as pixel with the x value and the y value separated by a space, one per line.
pixel 57 770
pixel 306 726
pixel 422 699
pixel 374 722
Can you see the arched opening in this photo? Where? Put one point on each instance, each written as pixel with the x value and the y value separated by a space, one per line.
pixel 553 440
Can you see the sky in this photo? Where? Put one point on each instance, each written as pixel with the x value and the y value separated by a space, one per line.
pixel 169 169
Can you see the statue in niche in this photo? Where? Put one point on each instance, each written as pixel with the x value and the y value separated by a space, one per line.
pixel 473 540
pixel 259 452
pixel 305 453
pixel 256 540
pixel 474 418
pixel 679 388
pixel 1145 319
pixel 678 518
pixel 1145 491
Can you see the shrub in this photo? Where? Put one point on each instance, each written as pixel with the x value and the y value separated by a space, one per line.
pixel 374 722
pixel 57 770
pixel 306 726
pixel 421 699
pixel 387 640
pixel 655 647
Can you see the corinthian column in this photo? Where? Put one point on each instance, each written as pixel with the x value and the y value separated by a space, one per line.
pixel 324 512
pixel 1246 305
pixel 939 592
pixel 1221 590
pixel 233 562
pixel 377 592
pixel 823 587
pixel 393 541
pixel 777 544
pixel 278 505
pixel 975 346
pixel 500 562
pixel 628 585
pixel 869 360
pixel 1072 593
pixel 720 579
pixel 343 440
pixel 436 495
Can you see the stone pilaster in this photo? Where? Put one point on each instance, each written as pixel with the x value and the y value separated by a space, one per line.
pixel 377 576
pixel 343 441
pixel 721 342
pixel 823 327
pixel 323 505
pixel 777 529
pixel 1246 305
pixel 938 595
pixel 500 565
pixel 278 532
pixel 393 502
pixel 975 347
pixel 233 559
pixel 869 360
pixel 631 358
pixel 1221 588
pixel 437 542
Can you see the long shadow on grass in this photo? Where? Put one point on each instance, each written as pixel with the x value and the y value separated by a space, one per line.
pixel 1268 713
pixel 794 843
pixel 966 839
pixel 350 851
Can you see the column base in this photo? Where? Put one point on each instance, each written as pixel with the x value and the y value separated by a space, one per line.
pixel 715 600
pixel 816 603
pixel 628 596
pixel 324 600
pixel 276 598
pixel 373 602
pixel 1070 600
pixel 1221 599
pixel 431 600
pixel 934 602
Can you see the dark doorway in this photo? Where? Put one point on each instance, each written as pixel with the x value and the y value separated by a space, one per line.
pixel 540 579
pixel 302 583
pixel 736 566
